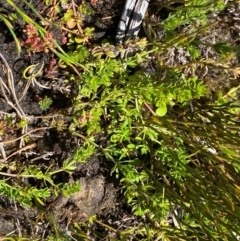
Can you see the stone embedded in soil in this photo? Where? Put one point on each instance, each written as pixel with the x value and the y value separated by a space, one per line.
pixel 94 196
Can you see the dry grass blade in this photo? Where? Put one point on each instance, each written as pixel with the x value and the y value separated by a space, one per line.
pixel 11 89
pixel 10 81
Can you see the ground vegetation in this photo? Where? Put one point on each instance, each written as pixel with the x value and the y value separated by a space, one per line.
pixel 131 141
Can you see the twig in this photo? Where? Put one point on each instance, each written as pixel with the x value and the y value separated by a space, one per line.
pixel 30 146
pixel 18 138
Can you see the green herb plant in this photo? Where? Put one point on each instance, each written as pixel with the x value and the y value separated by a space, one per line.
pixel 174 150
pixel 164 144
pixel 45 103
pixel 171 150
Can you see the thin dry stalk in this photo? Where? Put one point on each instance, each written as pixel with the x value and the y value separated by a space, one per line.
pixel 11 89
pixel 10 81
pixel 32 79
